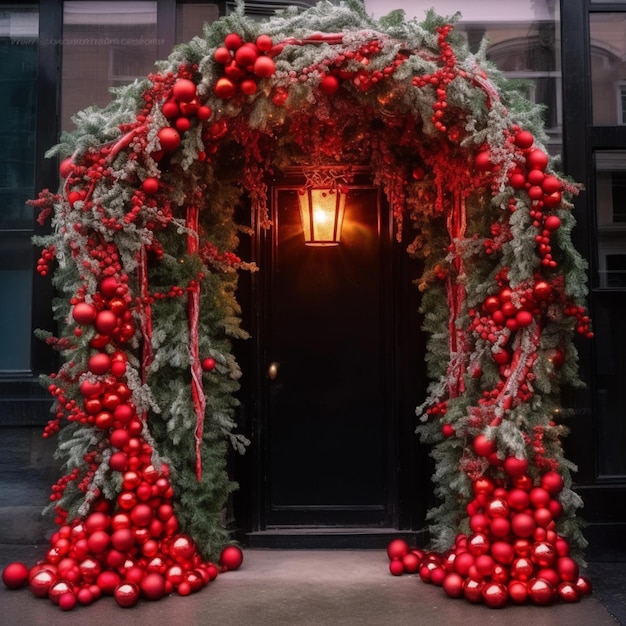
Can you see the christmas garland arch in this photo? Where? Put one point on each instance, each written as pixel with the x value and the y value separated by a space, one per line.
pixel 144 242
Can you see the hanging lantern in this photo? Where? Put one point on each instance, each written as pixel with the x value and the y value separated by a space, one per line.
pixel 322 204
pixel 321 210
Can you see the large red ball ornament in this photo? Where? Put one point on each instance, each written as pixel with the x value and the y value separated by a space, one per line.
pixel 84 313
pixel 231 558
pixel 225 88
pixel 153 586
pixel 109 286
pixel 170 110
pixel 142 514
pixel 502 552
pixel 118 461
pixel 246 55
pixel 222 55
pixel 184 90
pixel 537 160
pixel 397 548
pixel 552 482
pixel 97 521
pixel 552 223
pixel 483 446
pixel 396 567
pixel 512 465
pixel 66 167
pixel 169 138
pixel 99 363
pixel 411 563
pixel 41 581
pixel 264 43
pixel 567 569
pixel 495 595
pixel 524 139
pixel 105 322
pixel 523 525
pixel 540 592
pixel 126 594
pixel 264 67
pixel 15 575
pixel 453 585
pixel 463 562
pixel 98 541
pixel 518 591
pixel 232 41
pixel 500 527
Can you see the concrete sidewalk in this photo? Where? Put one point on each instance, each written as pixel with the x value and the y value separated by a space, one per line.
pixel 296 587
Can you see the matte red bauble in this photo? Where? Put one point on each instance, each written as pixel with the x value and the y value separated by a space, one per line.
pixel 502 552
pixel 67 601
pixel 247 54
pixel 222 55
pixel 264 43
pixel 495 595
pixel 231 557
pixel 567 569
pixel 109 286
pixel 84 313
pixel 153 586
pixel 523 525
pixel 225 88
pixel 552 482
pixel 66 167
pixel 232 41
pixel 524 139
pixel 552 223
pixel 105 322
pixel 463 562
pixel 142 514
pixel 540 592
pixel 118 461
pixel 184 90
pixel 396 567
pixel 170 109
pixel 150 185
pixel 518 499
pixel 537 160
pixel 208 364
pixel 264 67
pixel 97 521
pixel 453 585
pixel 126 594
pixel 483 446
pixel 329 85
pixel 15 575
pixel 518 591
pixel 98 541
pixel 411 563
pixel 482 161
pixel 169 139
pixel 397 548
pixel 123 539
pixel 99 364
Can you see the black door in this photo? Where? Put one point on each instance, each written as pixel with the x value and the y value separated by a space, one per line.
pixel 328 416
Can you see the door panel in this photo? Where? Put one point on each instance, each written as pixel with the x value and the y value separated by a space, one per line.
pixel 328 413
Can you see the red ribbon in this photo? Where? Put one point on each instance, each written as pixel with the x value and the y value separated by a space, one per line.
pixel 197 390
pixel 146 314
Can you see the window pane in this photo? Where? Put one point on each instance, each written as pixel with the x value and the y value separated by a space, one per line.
pixel 105 44
pixel 608 69
pixel 610 365
pixel 19 31
pixel 190 18
pixel 611 217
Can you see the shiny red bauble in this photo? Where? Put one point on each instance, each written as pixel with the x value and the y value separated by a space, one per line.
pixel 329 85
pixel 169 138
pixel 472 590
pixel 495 595
pixel 208 364
pixel 522 569
pixel 397 548
pixel 583 585
pixel 568 592
pixel 41 580
pixel 482 161
pixel 84 313
pixel 15 575
pixel 552 223
pixel 483 446
pixel 540 592
pixel 512 465
pixel 151 184
pixel 126 594
pixel 543 554
pixel 231 558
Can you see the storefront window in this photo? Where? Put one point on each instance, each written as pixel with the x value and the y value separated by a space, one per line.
pixel 608 68
pixel 105 44
pixel 19 29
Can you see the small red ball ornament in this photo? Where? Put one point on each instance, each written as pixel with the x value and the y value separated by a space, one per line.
pixel 246 55
pixel 482 161
pixel 512 465
pixel 105 322
pixel 248 87
pixel 170 109
pixel 329 85
pixel 232 41
pixel 169 138
pixel 225 88
pixel 552 482
pixel 222 55
pixel 231 558
pixel 537 160
pixel 15 575
pixel 483 446
pixel 66 167
pixel 396 567
pixel 518 591
pixel 411 563
pixel 150 185
pixel 397 548
pixel 204 113
pixel 552 223
pixel 184 90
pixel 264 43
pixel 84 313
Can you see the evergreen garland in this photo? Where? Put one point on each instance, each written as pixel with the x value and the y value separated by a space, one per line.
pixel 142 226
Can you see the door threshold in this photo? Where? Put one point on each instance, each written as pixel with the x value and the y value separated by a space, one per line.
pixel 331 538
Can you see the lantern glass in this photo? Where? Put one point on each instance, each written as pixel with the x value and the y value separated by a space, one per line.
pixel 322 210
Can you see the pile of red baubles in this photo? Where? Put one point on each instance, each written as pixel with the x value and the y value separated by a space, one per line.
pixel 243 63
pixel 130 550
pixel 512 553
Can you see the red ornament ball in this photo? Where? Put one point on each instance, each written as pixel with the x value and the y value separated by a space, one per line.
pixel 126 594
pixel 182 548
pixel 246 55
pixel 231 558
pixel 453 585
pixel 150 185
pixel 66 167
pixel 483 446
pixel 411 563
pixel 397 548
pixel 169 138
pixel 170 109
pixel 264 67
pixel 512 465
pixel 551 184
pixel 329 85
pixel 552 482
pixel 106 322
pixel 264 43
pixel 232 41
pixel 482 161
pixel 99 363
pixel 495 595
pixel 248 87
pixel 84 313
pixel 396 567
pixel 540 592
pixel 568 592
pixel 222 55
pixel 524 139
pixel 583 585
pixel 225 88
pixel 15 575
pixel 552 223
pixel 537 160
pixel 523 525
pixel 153 586
pixel 184 90
pixel 518 591
pixel 204 113
pixel 67 601
pixel 97 521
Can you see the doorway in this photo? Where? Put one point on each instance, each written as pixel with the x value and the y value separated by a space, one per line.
pixel 328 413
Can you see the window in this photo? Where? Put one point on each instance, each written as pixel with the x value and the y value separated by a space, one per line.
pixel 19 28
